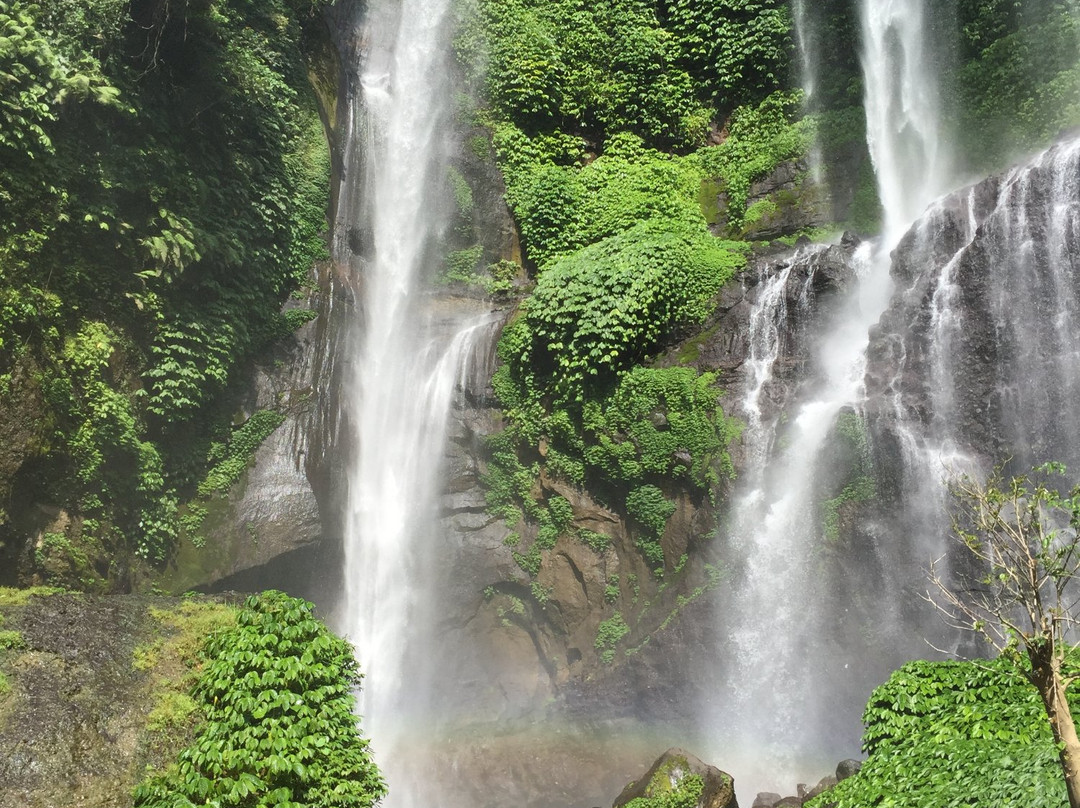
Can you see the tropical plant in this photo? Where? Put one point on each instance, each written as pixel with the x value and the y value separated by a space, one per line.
pixel 276 695
pixel 1021 536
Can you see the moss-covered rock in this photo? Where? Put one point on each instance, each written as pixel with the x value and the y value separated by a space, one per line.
pixel 93 692
pixel 679 780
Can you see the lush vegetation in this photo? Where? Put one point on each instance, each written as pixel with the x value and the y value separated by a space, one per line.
pixel 163 188
pixel 1019 85
pixel 671 786
pixel 275 695
pixel 954 733
pixel 599 117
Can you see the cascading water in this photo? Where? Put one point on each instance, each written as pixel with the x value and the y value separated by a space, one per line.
pixel 788 669
pixel 980 366
pixel 408 361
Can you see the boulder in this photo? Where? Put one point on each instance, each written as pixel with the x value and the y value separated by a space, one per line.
pixel 766 799
pixel 847 768
pixel 670 773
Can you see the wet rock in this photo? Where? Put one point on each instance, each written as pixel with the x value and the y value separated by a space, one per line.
pixel 766 799
pixel 847 768
pixel 73 727
pixel 824 784
pixel 670 772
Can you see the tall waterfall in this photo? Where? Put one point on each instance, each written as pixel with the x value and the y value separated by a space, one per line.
pixel 790 664
pixel 409 357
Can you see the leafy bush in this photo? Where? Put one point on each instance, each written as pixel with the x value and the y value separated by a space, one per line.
pixel 608 635
pixel 739 49
pixel 1020 86
pixel 660 423
pixel 277 695
pixel 954 733
pixel 163 188
pixel 648 506
pixel 604 308
pixel 601 68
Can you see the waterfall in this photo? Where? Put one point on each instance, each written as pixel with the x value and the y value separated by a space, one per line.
pixel 790 637
pixel 409 357
pixel 977 360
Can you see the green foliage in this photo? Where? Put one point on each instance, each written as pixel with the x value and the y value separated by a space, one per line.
pixel 277 695
pixel 608 635
pixel 739 48
pixel 163 186
pixel 10 639
pixel 1020 84
pixel 648 506
pixel 760 138
pixel 662 793
pixel 598 542
pixel 954 733
pixel 611 591
pixel 599 68
pixel 232 459
pixel 597 312
pixel 660 423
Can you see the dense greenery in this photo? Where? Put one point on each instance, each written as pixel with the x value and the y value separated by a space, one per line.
pixel 163 188
pixel 599 115
pixel 652 68
pixel 954 733
pixel 276 695
pixel 1019 86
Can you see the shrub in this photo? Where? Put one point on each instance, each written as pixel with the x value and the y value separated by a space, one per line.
pixel 277 695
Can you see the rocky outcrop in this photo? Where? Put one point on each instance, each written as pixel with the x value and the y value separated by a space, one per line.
pixel 797 195
pixel 973 352
pixel 83 696
pixel 672 773
pixel 596 634
pixel 276 508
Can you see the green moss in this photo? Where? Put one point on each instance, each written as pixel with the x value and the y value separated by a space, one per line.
pixel 672 786
pixel 11 640
pixel 172 660
pixel 20 597
pixel 172 711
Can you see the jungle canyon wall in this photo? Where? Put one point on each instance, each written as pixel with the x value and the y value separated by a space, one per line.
pixel 580 584
pixel 564 629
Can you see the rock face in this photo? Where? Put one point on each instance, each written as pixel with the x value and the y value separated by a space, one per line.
pixel 273 510
pixel 670 773
pixel 75 706
pixel 793 197
pixel 975 349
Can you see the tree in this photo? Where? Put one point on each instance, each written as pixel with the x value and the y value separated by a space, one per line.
pixel 1023 538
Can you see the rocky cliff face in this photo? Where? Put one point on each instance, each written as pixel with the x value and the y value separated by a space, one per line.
pixel 975 355
pixel 547 641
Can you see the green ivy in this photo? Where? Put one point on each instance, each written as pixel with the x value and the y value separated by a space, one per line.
pixel 231 459
pixel 276 694
pixel 163 187
pixel 608 635
pixel 954 733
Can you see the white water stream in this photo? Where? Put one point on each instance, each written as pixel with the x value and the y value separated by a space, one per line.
pixel 409 360
pixel 784 680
